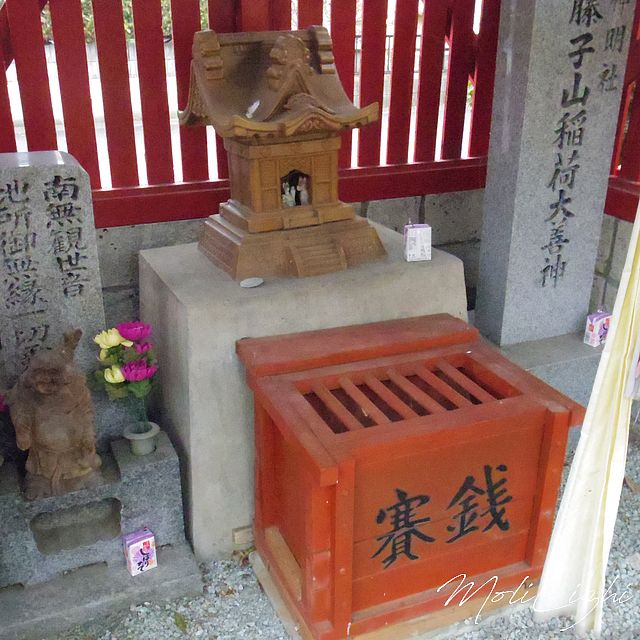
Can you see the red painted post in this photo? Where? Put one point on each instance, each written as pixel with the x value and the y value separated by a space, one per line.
pixel 31 67
pixel 404 44
pixel 7 134
pixel 484 78
pixel 254 15
pixel 431 61
pixel 73 75
pixel 222 19
pixel 460 67
pixel 280 15
pixel 193 140
pixel 374 26
pixel 309 13
pixel 343 34
pixel 147 20
pixel 116 95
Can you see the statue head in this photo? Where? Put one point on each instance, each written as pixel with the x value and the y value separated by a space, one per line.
pixel 51 370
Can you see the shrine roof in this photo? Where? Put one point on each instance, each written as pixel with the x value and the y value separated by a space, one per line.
pixel 269 84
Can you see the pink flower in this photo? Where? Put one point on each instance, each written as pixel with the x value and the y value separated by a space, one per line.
pixel 138 370
pixel 135 330
pixel 142 347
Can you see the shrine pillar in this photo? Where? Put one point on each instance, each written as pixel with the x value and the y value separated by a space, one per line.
pixel 559 76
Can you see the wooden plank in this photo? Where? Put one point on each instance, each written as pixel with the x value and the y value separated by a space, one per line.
pixel 343 33
pixel 484 78
pixel 404 41
pixel 441 387
pixel 222 19
pixel 147 20
pixel 431 60
pixel 7 134
pixel 336 407
pixel 460 67
pixel 466 383
pixel 360 399
pixel 73 75
pixel 374 25
pixel 31 69
pixel 414 392
pixel 309 13
pixel 116 94
pixel 390 398
pixel 193 140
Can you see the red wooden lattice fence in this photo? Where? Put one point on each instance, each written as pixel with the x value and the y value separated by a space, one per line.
pixel 441 161
pixel 624 183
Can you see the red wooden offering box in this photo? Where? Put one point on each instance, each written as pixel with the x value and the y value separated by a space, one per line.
pixel 391 458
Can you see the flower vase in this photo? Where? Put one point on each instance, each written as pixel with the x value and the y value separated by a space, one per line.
pixel 142 437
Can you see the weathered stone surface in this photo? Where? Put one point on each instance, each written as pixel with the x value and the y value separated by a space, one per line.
pixel 49 272
pixel 395 213
pixel 558 81
pixel 620 248
pixel 144 490
pixel 455 216
pixel 199 312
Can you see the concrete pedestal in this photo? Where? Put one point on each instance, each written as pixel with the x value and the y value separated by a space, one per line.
pixel 199 312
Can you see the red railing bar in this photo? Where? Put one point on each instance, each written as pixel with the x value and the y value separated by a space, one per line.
pixel 149 39
pixel 254 15
pixel 31 68
pixel 193 140
pixel 484 79
pixel 111 45
pixel 460 68
pixel 374 25
pixel 7 133
pixel 309 13
pixel 622 199
pixel 222 19
pixel 140 205
pixel 430 79
pixel 281 15
pixel 73 75
pixel 404 45
pixel 343 35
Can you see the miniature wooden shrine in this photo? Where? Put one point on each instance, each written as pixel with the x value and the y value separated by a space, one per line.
pixel 277 101
pixel 391 458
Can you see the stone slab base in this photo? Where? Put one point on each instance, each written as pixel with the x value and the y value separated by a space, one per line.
pixel 198 312
pixel 81 595
pixel 440 624
pixel 309 251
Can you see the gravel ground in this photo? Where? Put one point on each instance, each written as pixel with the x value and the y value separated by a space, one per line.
pixel 233 605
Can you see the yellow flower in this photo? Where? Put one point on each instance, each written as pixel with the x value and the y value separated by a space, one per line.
pixel 111 338
pixel 113 374
pixel 104 354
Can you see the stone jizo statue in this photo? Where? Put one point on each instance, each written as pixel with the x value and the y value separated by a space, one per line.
pixel 53 417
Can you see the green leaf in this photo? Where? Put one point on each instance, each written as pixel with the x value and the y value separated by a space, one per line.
pixel 116 391
pixel 140 389
pixel 181 622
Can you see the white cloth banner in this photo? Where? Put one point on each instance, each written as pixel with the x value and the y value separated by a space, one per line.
pixel 573 579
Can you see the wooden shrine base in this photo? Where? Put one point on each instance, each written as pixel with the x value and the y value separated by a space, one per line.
pixel 433 624
pixel 308 251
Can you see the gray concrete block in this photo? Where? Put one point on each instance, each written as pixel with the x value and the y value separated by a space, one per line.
pixel 620 248
pixel 605 246
pixel 454 217
pixel 96 590
pixel 50 279
pixel 564 362
pixel 121 304
pixel 395 213
pixel 199 312
pixel 45 537
pixel 597 293
pixel 610 294
pixel 469 253
pixel 118 247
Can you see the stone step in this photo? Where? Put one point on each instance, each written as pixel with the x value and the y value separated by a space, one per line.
pixel 325 256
